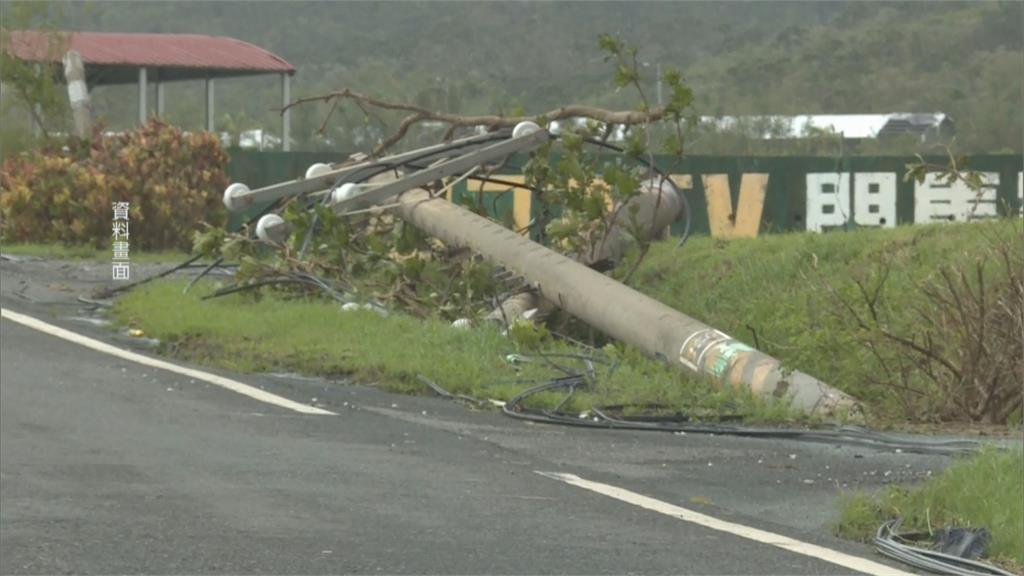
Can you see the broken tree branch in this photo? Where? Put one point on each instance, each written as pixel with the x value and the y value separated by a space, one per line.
pixel 419 114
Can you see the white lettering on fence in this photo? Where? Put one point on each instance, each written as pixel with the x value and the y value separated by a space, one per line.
pixel 828 200
pixel 874 199
pixel 935 200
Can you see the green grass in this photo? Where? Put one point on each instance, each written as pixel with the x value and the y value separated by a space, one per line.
pixel 986 490
pixel 772 285
pixel 62 252
pixel 318 338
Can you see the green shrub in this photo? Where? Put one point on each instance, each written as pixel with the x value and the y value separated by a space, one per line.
pixel 171 179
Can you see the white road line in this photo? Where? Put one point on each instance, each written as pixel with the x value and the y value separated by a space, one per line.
pixel 862 565
pixel 227 383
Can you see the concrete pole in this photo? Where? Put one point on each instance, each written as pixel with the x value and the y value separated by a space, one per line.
pixel 37 128
pixel 619 311
pixel 143 86
pixel 286 120
pixel 652 211
pixel 209 105
pixel 78 93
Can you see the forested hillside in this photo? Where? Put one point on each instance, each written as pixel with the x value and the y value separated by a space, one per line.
pixel 964 59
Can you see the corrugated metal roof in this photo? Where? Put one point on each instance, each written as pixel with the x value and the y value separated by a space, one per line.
pixel 153 50
pixel 849 125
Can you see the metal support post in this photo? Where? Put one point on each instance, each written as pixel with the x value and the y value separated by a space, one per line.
pixel 159 95
pixel 286 116
pixel 209 105
pixel 143 87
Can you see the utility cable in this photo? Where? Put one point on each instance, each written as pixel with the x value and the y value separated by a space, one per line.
pixel 600 418
pixel 201 274
pixel 890 544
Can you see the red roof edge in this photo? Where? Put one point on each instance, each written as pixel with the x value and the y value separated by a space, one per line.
pixel 151 50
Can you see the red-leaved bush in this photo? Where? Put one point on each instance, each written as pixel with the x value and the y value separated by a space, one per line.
pixel 172 180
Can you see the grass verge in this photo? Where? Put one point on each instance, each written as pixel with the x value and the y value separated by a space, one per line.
pixel 318 338
pixel 984 490
pixel 63 252
pixel 762 290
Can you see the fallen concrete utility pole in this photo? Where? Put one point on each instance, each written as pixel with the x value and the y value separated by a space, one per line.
pixel 620 311
pixel 653 211
pixel 609 306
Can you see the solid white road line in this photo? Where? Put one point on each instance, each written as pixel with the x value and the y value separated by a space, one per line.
pixel 227 383
pixel 862 565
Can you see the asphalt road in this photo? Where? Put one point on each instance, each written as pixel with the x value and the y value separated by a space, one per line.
pixel 108 466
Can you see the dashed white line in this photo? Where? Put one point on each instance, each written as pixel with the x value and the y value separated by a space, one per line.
pixel 857 563
pixel 226 383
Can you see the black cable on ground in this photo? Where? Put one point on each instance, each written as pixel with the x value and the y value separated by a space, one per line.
pixel 445 394
pixel 295 278
pixel 848 435
pixel 201 274
pixel 266 282
pixel 252 286
pixel 600 417
pixel 111 291
pixel 221 266
pixel 889 543
pixel 316 280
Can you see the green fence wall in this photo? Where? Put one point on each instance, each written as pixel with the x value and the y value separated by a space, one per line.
pixel 785 194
